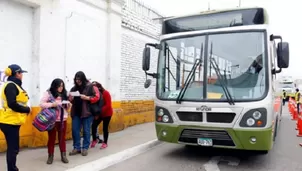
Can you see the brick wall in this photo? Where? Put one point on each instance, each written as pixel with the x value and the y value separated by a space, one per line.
pixel 138 29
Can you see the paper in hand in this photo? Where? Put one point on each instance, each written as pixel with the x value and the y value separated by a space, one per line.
pixel 75 93
pixel 65 102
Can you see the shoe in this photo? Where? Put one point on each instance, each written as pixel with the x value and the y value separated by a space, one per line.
pixel 64 158
pixel 100 141
pixel 104 145
pixel 84 152
pixel 74 152
pixel 50 159
pixel 93 143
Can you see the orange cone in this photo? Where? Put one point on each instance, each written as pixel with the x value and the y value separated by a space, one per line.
pixel 298 123
pixel 299 126
pixel 289 103
pixel 291 108
pixel 295 114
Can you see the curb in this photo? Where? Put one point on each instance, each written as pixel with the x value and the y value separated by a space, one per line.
pixel 113 159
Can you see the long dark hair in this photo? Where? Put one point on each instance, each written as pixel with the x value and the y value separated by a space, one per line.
pixel 81 76
pixel 99 86
pixel 56 83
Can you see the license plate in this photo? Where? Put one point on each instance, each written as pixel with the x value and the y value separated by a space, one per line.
pixel 205 142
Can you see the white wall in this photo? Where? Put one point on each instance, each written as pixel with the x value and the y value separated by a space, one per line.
pixel 103 38
pixel 138 29
pixel 78 41
pixel 55 39
pixel 16 37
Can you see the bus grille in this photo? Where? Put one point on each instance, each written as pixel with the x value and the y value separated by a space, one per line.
pixel 211 117
pixel 190 116
pixel 219 137
pixel 220 117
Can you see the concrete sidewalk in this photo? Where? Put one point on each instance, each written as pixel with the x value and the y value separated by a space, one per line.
pixel 35 159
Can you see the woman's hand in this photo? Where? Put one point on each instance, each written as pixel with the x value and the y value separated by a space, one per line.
pixel 70 98
pixel 54 104
pixel 84 97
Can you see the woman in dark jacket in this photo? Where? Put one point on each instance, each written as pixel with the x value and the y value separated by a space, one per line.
pixel 13 113
pixel 80 113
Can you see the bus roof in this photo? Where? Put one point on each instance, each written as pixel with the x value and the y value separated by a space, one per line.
pixel 215 19
pixel 213 11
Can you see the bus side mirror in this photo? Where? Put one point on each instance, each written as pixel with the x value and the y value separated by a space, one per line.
pixel 283 54
pixel 147 83
pixel 146 59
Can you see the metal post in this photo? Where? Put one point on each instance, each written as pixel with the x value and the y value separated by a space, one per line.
pixel 178 69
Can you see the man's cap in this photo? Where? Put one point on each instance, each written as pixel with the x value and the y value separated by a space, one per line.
pixel 13 69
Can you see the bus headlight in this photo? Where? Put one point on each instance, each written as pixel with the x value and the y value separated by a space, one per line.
pixel 257 115
pixel 160 112
pixel 254 118
pixel 250 122
pixel 165 118
pixel 162 115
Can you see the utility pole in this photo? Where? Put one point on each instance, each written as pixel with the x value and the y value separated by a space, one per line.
pixel 209 6
pixel 239 3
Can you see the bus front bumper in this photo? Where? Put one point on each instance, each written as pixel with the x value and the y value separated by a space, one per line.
pixel 260 139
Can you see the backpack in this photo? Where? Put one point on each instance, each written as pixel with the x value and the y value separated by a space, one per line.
pixel 46 118
pixel 96 108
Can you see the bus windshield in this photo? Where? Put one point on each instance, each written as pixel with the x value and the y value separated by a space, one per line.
pixel 287 85
pixel 235 61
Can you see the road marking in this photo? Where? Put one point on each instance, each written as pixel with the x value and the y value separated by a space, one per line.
pixel 232 161
pixel 212 164
pixel 113 159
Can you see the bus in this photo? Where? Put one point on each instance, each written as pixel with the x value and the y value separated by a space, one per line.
pixel 287 84
pixel 215 76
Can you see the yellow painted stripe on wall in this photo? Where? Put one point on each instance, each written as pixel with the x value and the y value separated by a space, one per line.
pixel 126 113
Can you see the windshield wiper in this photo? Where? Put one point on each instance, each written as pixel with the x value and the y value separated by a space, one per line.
pixel 190 76
pixel 220 78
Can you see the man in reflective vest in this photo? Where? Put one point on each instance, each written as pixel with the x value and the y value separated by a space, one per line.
pixel 284 97
pixel 297 99
pixel 13 112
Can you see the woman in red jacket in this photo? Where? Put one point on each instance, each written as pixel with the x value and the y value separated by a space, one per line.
pixel 105 116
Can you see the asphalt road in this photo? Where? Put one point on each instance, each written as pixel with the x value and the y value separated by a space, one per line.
pixel 286 155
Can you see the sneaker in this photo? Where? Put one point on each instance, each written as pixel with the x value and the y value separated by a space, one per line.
pixel 93 143
pixel 100 141
pixel 104 145
pixel 84 152
pixel 74 152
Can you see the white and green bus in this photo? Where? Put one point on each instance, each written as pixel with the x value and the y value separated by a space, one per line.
pixel 215 79
pixel 287 84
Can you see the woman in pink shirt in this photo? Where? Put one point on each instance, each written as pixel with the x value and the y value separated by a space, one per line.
pixel 58 91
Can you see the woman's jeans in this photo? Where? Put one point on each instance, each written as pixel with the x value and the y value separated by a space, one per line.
pixel 77 124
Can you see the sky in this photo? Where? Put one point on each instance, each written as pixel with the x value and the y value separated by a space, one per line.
pixel 283 15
